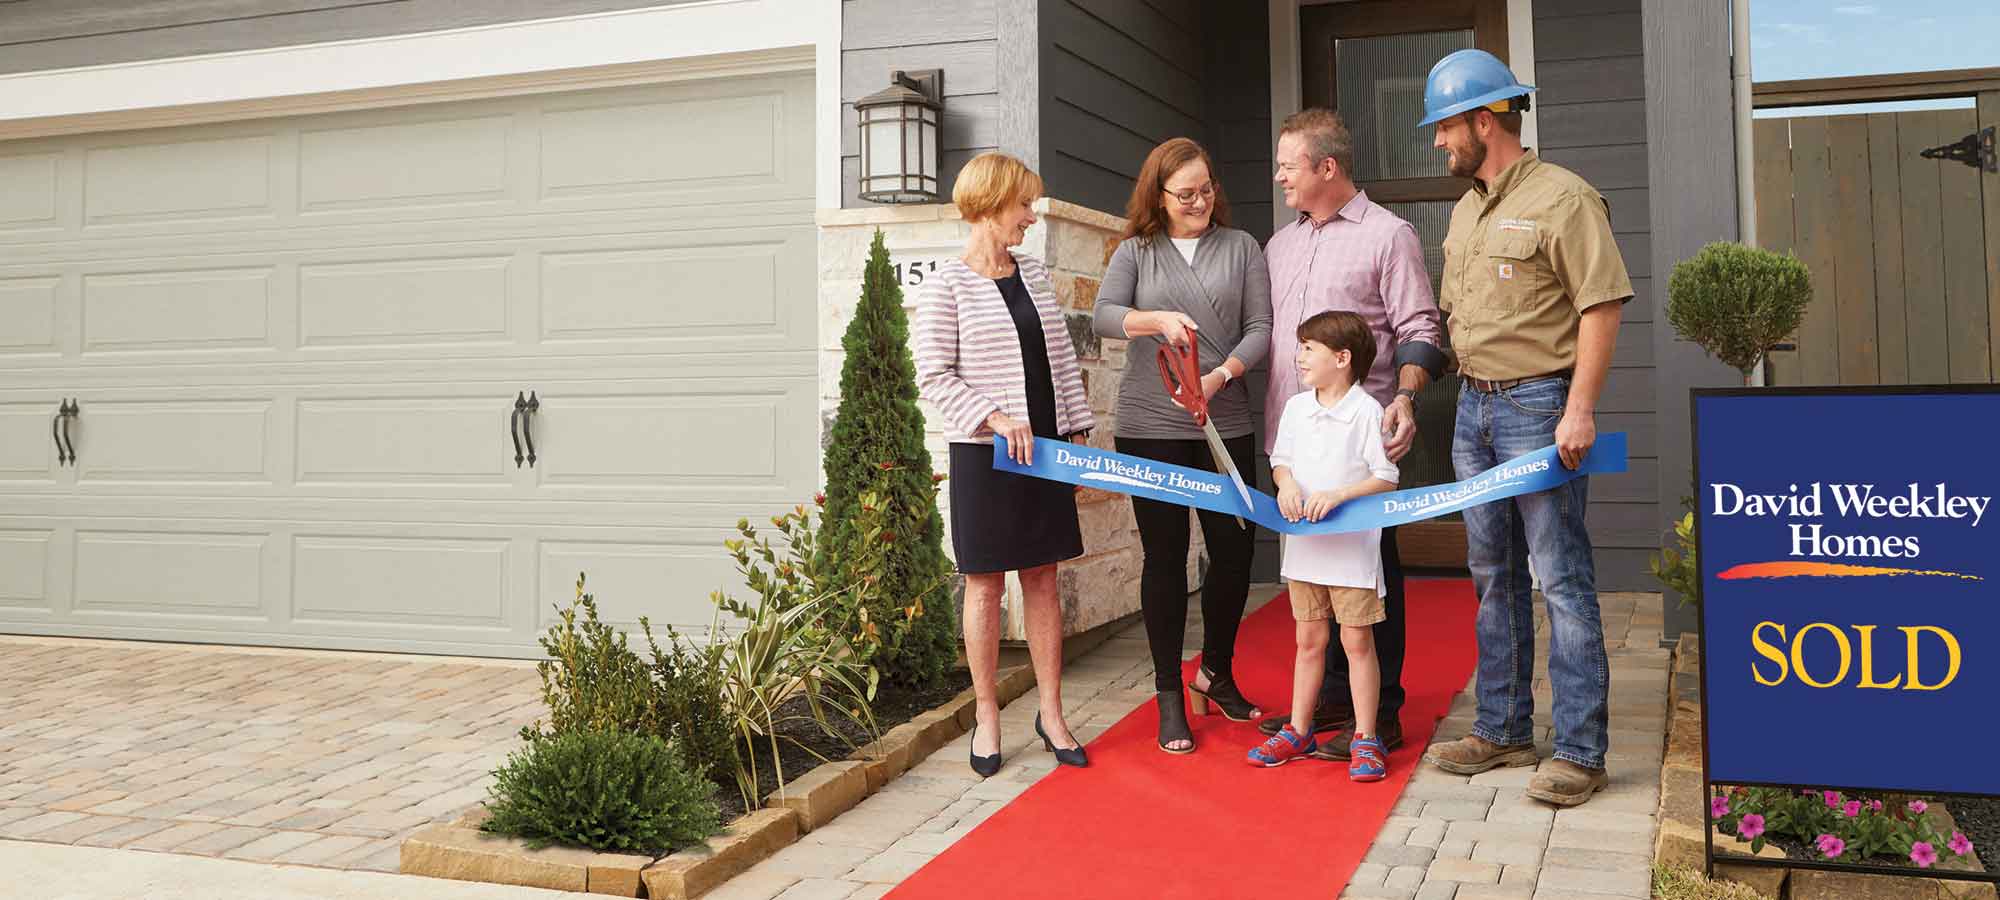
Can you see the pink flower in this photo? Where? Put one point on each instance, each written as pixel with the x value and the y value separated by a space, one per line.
pixel 1718 807
pixel 1832 798
pixel 1918 806
pixel 1751 826
pixel 1923 854
pixel 1875 806
pixel 1852 809
pixel 1831 846
pixel 1960 844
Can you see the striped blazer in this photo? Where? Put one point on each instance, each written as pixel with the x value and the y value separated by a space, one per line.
pixel 969 352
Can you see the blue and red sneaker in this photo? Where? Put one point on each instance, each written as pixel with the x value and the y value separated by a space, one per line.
pixel 1367 760
pixel 1283 747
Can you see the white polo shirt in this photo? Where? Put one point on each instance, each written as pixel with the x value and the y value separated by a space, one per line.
pixel 1329 447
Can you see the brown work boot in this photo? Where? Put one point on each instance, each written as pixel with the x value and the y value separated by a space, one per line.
pixel 1472 754
pixel 1565 783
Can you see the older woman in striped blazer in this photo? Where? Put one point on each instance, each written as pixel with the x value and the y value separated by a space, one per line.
pixel 994 357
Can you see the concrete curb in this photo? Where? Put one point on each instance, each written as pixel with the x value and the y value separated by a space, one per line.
pixel 461 851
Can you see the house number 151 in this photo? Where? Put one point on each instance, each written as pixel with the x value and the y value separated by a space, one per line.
pixel 912 274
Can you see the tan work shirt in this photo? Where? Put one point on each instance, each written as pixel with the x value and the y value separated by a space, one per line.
pixel 1524 257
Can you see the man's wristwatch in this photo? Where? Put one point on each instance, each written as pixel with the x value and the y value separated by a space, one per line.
pixel 1410 393
pixel 1227 376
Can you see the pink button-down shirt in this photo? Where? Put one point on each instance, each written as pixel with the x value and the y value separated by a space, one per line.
pixel 1364 260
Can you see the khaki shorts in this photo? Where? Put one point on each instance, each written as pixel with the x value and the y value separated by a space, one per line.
pixel 1345 605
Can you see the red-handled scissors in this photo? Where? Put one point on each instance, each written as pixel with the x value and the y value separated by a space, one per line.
pixel 1180 369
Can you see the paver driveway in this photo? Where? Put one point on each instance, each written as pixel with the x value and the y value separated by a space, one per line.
pixel 310 757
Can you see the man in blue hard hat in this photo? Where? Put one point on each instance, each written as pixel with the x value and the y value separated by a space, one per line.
pixel 1533 287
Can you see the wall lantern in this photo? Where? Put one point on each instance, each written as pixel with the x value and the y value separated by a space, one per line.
pixel 899 138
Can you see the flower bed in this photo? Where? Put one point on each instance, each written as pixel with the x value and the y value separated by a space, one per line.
pixel 1886 829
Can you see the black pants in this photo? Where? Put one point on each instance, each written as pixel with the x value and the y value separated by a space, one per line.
pixel 1163 536
pixel 1334 692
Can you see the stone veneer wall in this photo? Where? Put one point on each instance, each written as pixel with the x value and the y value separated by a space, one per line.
pixel 1075 243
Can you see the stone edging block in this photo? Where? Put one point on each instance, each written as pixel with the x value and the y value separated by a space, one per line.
pixel 465 854
pixel 696 870
pixel 828 790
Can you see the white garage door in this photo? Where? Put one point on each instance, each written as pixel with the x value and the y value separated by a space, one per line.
pixel 295 348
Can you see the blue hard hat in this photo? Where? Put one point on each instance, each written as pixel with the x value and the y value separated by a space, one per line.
pixel 1466 80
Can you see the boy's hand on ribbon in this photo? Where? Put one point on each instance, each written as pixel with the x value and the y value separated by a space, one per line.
pixel 1321 503
pixel 1289 504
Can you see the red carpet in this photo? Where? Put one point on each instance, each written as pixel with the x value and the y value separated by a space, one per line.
pixel 1140 823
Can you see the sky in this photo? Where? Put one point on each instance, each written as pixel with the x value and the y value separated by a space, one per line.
pixel 1792 39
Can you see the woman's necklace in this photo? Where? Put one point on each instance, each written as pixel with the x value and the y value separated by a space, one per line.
pixel 989 268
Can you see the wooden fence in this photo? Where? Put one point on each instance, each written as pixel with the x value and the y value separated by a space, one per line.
pixel 1904 251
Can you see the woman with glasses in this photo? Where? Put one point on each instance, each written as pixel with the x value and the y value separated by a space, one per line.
pixel 1181 273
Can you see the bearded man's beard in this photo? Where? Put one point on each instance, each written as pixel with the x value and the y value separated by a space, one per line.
pixel 1467 158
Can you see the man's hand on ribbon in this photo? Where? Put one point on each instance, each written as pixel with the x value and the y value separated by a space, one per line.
pixel 1575 435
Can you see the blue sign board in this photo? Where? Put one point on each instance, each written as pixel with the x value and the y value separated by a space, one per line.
pixel 1850 561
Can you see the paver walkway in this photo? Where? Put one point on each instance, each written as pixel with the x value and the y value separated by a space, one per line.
pixel 309 757
pixel 1451 837
pixel 330 759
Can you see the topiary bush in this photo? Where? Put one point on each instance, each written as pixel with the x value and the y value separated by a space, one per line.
pixel 1739 303
pixel 877 447
pixel 609 790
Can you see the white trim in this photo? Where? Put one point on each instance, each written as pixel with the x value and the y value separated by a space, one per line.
pixel 1521 57
pixel 705 37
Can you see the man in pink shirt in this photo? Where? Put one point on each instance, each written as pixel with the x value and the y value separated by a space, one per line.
pixel 1344 252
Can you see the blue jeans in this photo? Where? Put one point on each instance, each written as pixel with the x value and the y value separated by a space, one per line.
pixel 1504 538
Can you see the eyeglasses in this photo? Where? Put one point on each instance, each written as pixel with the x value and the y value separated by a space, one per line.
pixel 1289 168
pixel 1187 197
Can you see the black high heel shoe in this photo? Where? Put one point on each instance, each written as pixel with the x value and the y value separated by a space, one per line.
pixel 1223 693
pixel 1173 722
pixel 984 766
pixel 1068 756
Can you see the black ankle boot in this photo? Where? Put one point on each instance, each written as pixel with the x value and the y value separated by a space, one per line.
pixel 1173 722
pixel 1223 693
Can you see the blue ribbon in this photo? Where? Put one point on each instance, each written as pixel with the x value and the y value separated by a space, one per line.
pixel 1154 480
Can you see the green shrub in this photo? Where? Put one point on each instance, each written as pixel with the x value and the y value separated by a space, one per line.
pixel 604 789
pixel 593 680
pixel 1675 567
pixel 688 684
pixel 877 447
pixel 1738 302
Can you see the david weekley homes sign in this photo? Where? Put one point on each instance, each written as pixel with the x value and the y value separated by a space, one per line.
pixel 1850 562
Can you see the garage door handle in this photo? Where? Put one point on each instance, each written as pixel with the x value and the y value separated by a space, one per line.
pixel 55 432
pixel 59 429
pixel 528 425
pixel 514 426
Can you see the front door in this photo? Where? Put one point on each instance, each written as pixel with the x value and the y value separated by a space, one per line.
pixel 1368 60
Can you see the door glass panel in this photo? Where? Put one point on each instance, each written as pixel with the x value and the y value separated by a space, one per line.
pixel 1379 82
pixel 1429 461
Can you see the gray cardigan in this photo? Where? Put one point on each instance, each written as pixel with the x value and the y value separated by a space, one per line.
pixel 1228 294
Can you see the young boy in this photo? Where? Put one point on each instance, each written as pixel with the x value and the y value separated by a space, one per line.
pixel 1329 451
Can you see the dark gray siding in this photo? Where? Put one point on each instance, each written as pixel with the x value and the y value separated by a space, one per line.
pixel 959 36
pixel 1236 78
pixel 1590 72
pixel 61 34
pixel 1119 76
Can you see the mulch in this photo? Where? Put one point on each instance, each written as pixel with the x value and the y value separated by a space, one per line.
pixel 802 745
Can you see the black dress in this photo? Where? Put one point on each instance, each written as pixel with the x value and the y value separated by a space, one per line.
pixel 1002 521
